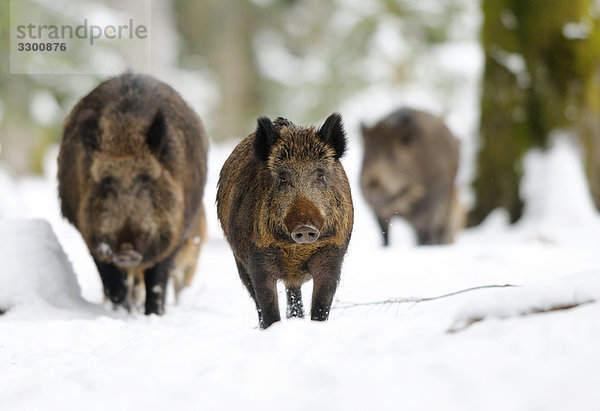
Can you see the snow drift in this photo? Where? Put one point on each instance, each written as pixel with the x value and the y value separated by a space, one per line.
pixel 35 273
pixel 565 293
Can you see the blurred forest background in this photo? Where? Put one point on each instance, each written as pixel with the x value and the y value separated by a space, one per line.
pixel 538 73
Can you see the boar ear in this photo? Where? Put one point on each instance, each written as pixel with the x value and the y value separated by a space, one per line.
pixel 264 138
pixel 88 130
pixel 156 134
pixel 332 133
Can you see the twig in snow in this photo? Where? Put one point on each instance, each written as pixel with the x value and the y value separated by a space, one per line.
pixel 532 310
pixel 416 300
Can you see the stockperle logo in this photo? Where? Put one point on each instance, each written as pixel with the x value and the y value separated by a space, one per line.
pixel 79 37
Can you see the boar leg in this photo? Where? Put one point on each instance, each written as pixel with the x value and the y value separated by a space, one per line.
pixel 446 235
pixel 439 236
pixel 384 223
pixel 424 237
pixel 431 236
pixel 186 259
pixel 156 286
pixel 294 301
pixel 325 267
pixel 248 284
pixel 114 282
pixel 263 273
pixel 265 287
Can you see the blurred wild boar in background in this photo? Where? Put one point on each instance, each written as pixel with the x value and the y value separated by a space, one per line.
pixel 409 166
pixel 285 206
pixel 131 174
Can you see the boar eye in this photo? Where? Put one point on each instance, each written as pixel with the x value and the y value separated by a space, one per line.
pixel 144 181
pixel 373 184
pixel 319 176
pixel 108 183
pixel 283 180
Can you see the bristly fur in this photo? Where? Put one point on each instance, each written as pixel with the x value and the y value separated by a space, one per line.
pixel 280 122
pixel 409 166
pixel 280 179
pixel 268 133
pixel 131 174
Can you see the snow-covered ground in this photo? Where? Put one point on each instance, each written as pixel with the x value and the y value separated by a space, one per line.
pixel 531 346
pixel 61 348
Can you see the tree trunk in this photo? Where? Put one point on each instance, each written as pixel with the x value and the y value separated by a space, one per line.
pixel 542 62
pixel 221 34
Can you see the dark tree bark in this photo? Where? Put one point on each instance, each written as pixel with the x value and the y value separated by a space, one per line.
pixel 542 73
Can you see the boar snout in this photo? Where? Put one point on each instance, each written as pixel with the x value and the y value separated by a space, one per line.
pixel 305 234
pixel 127 257
pixel 304 221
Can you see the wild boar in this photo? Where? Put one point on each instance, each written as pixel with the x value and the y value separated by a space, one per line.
pixel 131 176
pixel 285 207
pixel 409 166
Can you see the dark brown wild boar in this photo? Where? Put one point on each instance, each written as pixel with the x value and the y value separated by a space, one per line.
pixel 409 165
pixel 131 174
pixel 285 206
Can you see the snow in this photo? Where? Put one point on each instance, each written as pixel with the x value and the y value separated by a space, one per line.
pixel 61 351
pixel 566 293
pixel 553 178
pixel 36 274
pixel 44 108
pixel 63 348
pixel 576 30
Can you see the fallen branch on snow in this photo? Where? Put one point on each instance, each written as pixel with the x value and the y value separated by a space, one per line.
pixel 418 299
pixel 546 297
pixel 459 327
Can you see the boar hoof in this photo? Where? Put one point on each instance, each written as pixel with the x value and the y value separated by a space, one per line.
pixel 305 234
